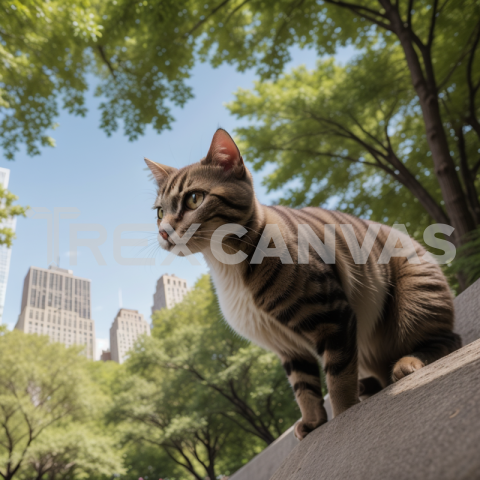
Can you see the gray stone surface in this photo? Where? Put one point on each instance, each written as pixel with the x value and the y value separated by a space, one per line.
pixel 425 427
pixel 408 431
pixel 264 465
pixel 467 314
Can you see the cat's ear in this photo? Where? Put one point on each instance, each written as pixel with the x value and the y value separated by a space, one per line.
pixel 160 172
pixel 225 153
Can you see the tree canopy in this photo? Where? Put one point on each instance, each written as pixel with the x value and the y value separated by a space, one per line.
pixel 47 393
pixel 402 116
pixel 8 211
pixel 205 398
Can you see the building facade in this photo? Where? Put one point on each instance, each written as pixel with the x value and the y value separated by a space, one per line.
pixel 127 327
pixel 106 356
pixel 170 291
pixel 58 304
pixel 5 252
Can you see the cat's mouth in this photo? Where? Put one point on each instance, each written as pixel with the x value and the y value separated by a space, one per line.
pixel 165 243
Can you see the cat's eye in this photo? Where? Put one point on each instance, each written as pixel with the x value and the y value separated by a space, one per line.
pixel 159 213
pixel 194 200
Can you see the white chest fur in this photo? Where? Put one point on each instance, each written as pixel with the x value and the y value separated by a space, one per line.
pixel 241 313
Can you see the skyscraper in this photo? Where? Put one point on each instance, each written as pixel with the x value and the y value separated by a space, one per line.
pixel 126 328
pixel 5 252
pixel 170 291
pixel 57 304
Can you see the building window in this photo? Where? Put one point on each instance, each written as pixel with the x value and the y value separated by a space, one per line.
pixel 33 296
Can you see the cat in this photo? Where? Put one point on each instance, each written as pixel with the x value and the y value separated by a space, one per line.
pixel 368 320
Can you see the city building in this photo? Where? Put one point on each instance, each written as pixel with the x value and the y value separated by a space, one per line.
pixel 57 304
pixel 5 252
pixel 170 291
pixel 126 328
pixel 106 355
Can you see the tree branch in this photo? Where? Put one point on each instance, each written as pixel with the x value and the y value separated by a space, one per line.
pixel 201 22
pixel 106 60
pixel 409 14
pixel 375 139
pixel 476 168
pixel 332 155
pixel 349 134
pixel 234 11
pixel 432 24
pixel 359 10
pixel 472 88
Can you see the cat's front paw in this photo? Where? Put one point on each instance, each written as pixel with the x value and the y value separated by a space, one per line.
pixel 405 366
pixel 302 429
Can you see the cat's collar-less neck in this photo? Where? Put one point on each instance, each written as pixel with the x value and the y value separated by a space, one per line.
pixel 247 243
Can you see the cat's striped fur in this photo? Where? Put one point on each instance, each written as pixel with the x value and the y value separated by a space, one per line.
pixel 366 320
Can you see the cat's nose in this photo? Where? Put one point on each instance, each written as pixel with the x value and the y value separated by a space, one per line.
pixel 163 234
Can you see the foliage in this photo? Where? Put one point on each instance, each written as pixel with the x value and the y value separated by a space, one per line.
pixel 49 49
pixel 73 451
pixel 44 59
pixel 396 130
pixel 193 400
pixel 201 346
pixel 328 143
pixel 352 136
pixel 46 393
pixel 7 212
pixel 468 258
pixel 207 399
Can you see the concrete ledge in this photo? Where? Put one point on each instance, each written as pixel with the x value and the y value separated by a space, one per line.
pixel 264 465
pixel 411 425
pixel 467 314
pixel 425 427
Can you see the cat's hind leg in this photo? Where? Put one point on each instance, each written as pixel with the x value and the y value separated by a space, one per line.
pixel 303 374
pixel 340 359
pixel 427 352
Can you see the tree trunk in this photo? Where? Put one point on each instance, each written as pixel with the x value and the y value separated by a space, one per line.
pixel 452 193
pixel 468 179
pixel 211 471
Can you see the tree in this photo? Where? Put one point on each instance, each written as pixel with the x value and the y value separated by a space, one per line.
pixel 48 50
pixel 411 93
pixel 73 451
pixel 143 53
pixel 45 58
pixel 43 389
pixel 201 394
pixel 147 461
pixel 192 338
pixel 7 212
pixel 439 85
pixel 174 418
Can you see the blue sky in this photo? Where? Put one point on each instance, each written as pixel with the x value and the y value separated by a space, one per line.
pixel 104 178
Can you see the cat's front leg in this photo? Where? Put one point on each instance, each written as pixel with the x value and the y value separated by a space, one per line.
pixel 340 360
pixel 304 376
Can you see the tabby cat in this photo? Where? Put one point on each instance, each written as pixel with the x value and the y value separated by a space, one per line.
pixel 361 320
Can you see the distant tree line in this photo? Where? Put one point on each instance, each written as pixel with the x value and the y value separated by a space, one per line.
pixel 192 401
